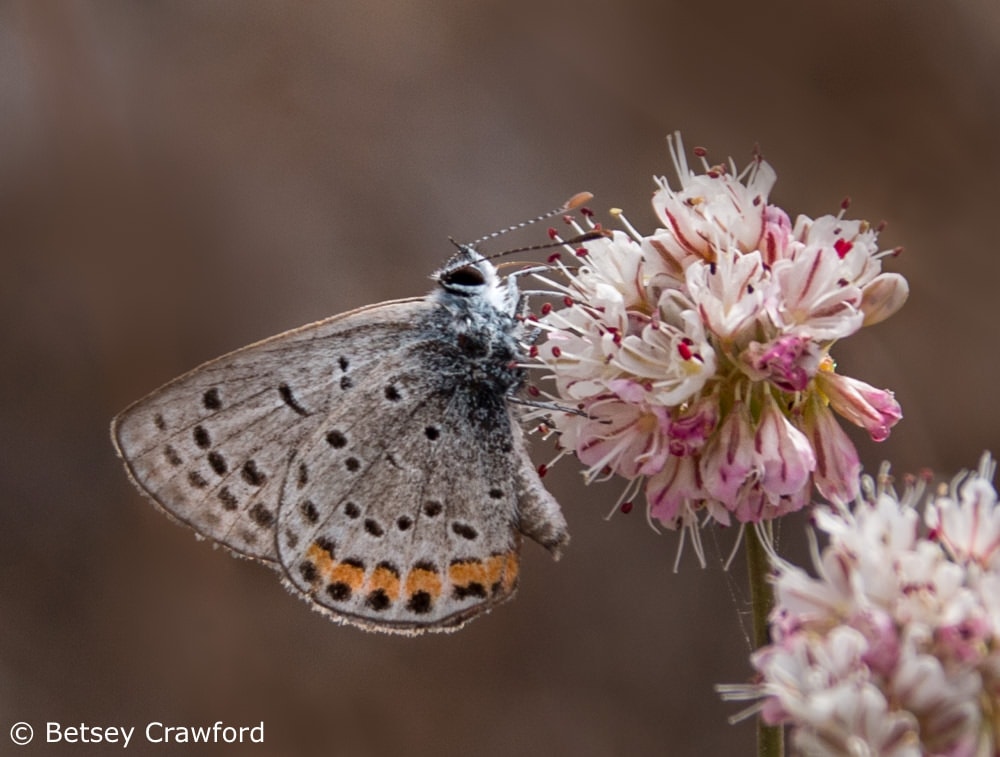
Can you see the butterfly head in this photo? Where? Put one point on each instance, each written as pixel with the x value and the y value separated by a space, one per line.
pixel 470 277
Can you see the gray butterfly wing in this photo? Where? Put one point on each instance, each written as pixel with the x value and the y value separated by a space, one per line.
pixel 212 447
pixel 417 527
pixel 316 452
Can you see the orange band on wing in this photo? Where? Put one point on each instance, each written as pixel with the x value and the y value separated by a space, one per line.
pixel 386 580
pixel 423 580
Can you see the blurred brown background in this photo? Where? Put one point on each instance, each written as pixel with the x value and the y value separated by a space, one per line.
pixel 178 179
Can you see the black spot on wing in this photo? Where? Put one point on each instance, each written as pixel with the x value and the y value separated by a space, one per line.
pixel 308 571
pixel 377 600
pixel 464 530
pixel 227 498
pixel 211 399
pixel 217 462
pixel 473 589
pixel 172 457
pixel 262 516
pixel 252 474
pixel 339 591
pixel 201 437
pixel 420 603
pixel 285 391
pixel 309 510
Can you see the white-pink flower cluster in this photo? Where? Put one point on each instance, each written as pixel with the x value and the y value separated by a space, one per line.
pixel 893 647
pixel 698 356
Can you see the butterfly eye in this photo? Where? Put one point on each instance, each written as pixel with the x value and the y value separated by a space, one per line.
pixel 466 277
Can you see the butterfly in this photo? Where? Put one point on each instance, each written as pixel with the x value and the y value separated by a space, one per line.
pixel 375 459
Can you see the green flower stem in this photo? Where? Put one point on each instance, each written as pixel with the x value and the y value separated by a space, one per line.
pixel 770 739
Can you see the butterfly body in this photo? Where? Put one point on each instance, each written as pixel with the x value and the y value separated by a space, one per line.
pixel 373 458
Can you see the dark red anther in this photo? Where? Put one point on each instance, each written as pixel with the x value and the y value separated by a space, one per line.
pixel 684 350
pixel 700 152
pixel 553 257
pixel 581 252
pixel 533 391
pixel 556 352
pixel 845 203
pixel 842 246
pixel 533 351
pixel 542 470
pixel 626 507
pixel 546 308
pixel 568 301
pixel 553 234
pixel 587 212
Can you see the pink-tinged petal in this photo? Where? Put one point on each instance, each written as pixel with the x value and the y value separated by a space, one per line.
pixel 837 463
pixel 729 293
pixel 750 505
pixel 629 439
pixel 883 296
pixel 789 362
pixel 777 235
pixel 880 630
pixel 783 452
pixel 812 296
pixel 672 490
pixel 875 410
pixel 629 390
pixel 965 641
pixel 729 460
pixel 712 206
pixel 967 522
pixel 691 429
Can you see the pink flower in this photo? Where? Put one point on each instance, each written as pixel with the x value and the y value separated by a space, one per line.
pixel 875 410
pixel 701 352
pixel 631 438
pixel 894 646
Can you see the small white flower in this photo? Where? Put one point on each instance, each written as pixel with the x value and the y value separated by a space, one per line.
pixel 967 521
pixel 893 647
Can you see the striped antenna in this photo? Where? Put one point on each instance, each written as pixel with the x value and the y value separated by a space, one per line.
pixel 572 203
pixel 587 236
